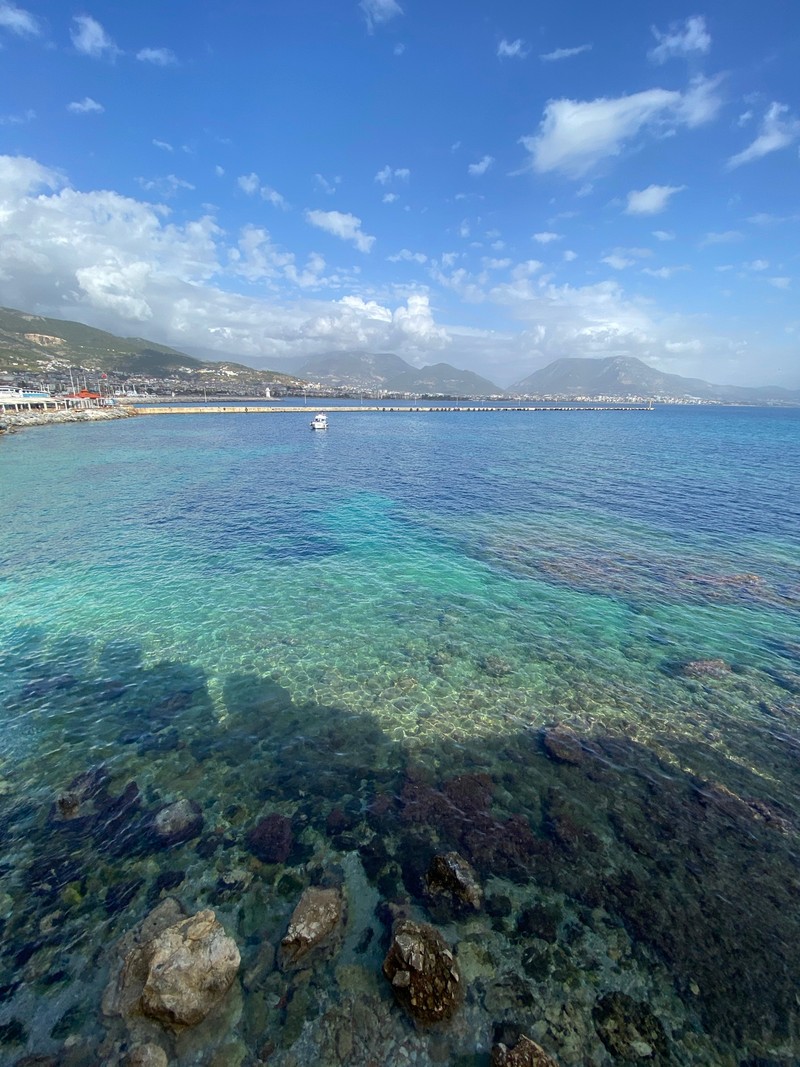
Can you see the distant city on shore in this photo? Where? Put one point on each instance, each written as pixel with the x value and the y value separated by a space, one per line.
pixel 57 355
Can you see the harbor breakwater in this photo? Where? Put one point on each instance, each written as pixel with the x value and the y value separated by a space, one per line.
pixel 12 421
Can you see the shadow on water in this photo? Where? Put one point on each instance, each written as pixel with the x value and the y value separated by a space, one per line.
pixel 626 900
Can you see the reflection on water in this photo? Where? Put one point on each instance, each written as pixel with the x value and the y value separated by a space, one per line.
pixel 246 664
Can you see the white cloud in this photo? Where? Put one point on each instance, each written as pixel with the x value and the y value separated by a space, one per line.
pixel 512 49
pixel 165 187
pixel 758 264
pixel 376 12
pixel 273 197
pixel 780 283
pixel 399 48
pixel 652 200
pixel 251 184
pixel 479 168
pixel 726 237
pixel 620 258
pixel 345 226
pixel 219 171
pixel 130 266
pixel 495 264
pixel 575 135
pixel 85 106
pixel 664 235
pixel 161 57
pixel 18 119
pixel 778 130
pixel 546 237
pixel 617 261
pixel 165 146
pixel 90 39
pixel 665 273
pixel 17 20
pixel 526 269
pixel 565 53
pixel 385 175
pixel 569 256
pixel 389 198
pixel 765 219
pixel 681 40
pixel 406 254
pixel 328 187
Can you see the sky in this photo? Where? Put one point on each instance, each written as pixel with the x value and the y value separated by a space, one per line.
pixel 493 186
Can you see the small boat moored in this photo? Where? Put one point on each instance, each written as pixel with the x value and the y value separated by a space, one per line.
pixel 319 422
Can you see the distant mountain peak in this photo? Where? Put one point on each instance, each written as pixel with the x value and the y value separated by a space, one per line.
pixel 629 376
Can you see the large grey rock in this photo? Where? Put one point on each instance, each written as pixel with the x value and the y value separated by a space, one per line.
pixel 423 972
pixel 317 915
pixel 178 822
pixel 192 966
pixel 174 970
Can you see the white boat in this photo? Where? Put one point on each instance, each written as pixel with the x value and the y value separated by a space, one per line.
pixel 319 422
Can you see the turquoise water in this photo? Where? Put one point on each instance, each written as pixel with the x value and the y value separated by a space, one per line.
pixel 373 632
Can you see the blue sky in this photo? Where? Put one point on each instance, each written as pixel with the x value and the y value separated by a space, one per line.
pixel 490 185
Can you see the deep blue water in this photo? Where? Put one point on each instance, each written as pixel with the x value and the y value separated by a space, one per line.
pixel 372 633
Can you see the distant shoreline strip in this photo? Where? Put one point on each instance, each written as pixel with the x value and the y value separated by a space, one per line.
pixel 257 409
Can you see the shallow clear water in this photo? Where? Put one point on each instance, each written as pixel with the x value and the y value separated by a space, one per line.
pixel 373 632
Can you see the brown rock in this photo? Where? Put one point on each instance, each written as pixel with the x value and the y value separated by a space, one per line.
pixel 525 1053
pixel 271 839
pixel 316 916
pixel 705 668
pixel 124 990
pixel 423 972
pixel 562 744
pixel 191 966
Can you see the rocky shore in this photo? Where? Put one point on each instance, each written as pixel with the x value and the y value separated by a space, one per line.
pixel 12 421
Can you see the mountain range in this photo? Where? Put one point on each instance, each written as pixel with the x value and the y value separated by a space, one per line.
pixel 627 376
pixel 35 344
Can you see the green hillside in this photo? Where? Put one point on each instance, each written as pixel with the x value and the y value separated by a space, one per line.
pixel 35 343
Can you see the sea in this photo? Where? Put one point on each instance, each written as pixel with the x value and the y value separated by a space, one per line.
pixel 562 645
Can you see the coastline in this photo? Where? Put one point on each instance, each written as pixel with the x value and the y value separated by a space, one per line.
pixel 10 422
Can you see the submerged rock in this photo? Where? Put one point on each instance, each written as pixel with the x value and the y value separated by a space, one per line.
pixel 423 972
pixel 173 971
pixel 178 822
pixel 629 1030
pixel 149 1055
pixel 562 744
pixel 525 1053
pixel 453 878
pixel 317 915
pixel 271 839
pixel 78 799
pixel 705 668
